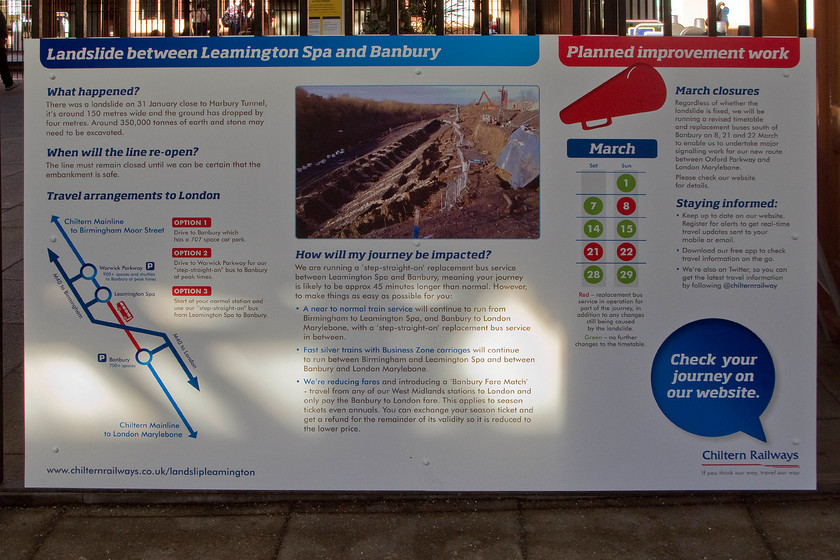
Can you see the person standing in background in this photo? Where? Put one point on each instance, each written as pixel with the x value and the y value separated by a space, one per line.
pixel 722 16
pixel 5 73
pixel 201 19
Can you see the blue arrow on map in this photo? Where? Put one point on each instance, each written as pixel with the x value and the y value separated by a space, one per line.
pixel 193 433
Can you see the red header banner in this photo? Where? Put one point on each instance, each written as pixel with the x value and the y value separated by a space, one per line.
pixel 687 52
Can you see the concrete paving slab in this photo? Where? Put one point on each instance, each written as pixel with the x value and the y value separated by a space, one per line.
pixel 206 510
pixel 482 535
pixel 8 197
pixel 13 301
pixel 649 533
pixel 11 111
pixel 15 272
pixel 360 503
pixel 828 452
pixel 22 530
pixel 801 530
pixel 13 471
pixel 828 407
pixel 164 533
pixel 12 246
pixel 13 217
pixel 13 421
pixel 13 158
pixel 13 152
pixel 829 371
pixel 12 351
pixel 12 177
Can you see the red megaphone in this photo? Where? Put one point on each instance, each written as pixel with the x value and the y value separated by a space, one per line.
pixel 637 89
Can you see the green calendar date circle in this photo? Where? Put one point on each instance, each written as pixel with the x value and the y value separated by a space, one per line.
pixel 593 205
pixel 593 228
pixel 593 274
pixel 626 182
pixel 626 228
pixel 626 274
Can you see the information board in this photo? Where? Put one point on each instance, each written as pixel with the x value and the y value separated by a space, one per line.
pixel 421 263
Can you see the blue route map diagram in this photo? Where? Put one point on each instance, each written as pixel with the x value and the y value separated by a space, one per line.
pixel 147 343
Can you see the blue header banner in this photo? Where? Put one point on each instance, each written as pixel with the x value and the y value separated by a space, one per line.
pixel 611 148
pixel 384 50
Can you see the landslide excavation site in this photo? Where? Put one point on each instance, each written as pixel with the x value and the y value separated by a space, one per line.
pixel 472 172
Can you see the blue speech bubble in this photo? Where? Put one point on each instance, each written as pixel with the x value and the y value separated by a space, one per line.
pixel 714 378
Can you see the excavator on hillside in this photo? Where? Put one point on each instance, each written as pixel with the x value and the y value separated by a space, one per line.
pixel 490 105
pixel 487 97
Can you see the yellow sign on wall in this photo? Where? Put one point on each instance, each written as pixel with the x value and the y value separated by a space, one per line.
pixel 325 8
pixel 325 17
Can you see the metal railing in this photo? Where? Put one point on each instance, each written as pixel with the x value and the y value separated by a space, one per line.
pixel 19 24
pixel 142 18
pixel 136 18
pixel 612 17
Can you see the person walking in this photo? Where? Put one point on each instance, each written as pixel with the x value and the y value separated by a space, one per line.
pixel 5 73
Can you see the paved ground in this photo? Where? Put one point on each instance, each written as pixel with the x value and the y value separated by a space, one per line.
pixel 291 526
pixel 408 527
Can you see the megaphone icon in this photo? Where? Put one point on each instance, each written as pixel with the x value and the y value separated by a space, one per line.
pixel 637 89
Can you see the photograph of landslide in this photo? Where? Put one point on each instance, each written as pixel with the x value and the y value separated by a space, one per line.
pixel 436 162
